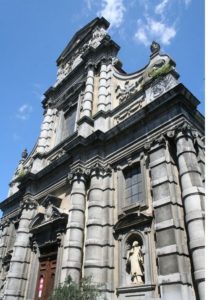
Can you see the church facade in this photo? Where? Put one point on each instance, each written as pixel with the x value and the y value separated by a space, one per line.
pixel 114 186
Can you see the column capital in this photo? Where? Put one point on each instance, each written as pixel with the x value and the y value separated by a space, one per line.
pixel 28 203
pixel 104 60
pixel 99 169
pixel 79 173
pixel 156 142
pixel 5 223
pixel 89 65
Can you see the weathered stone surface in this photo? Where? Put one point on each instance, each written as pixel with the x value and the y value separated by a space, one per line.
pixel 119 162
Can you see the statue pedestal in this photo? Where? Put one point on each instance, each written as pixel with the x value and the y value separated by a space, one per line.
pixel 137 292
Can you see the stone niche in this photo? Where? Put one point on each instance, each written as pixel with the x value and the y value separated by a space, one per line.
pixel 136 262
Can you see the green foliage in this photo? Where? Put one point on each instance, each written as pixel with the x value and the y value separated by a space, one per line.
pixel 85 290
pixel 160 71
pixel 21 174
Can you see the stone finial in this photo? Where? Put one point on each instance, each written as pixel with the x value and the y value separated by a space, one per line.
pixel 24 154
pixel 155 47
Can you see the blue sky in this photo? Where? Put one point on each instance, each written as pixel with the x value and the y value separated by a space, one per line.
pixel 34 32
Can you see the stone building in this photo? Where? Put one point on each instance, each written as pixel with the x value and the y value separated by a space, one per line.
pixel 114 186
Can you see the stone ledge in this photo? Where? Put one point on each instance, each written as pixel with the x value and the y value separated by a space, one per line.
pixel 193 191
pixel 77 208
pixel 164 179
pixel 95 222
pixel 171 249
pixel 102 203
pixel 97 264
pixel 136 288
pixel 199 275
pixel 169 223
pixel 77 193
pixel 95 242
pixel 165 201
pixel 193 215
pixel 198 243
pixel 72 265
pixel 73 244
pixel 189 171
pixel 16 276
pixel 159 161
pixel 183 278
pixel 75 225
pixel 13 293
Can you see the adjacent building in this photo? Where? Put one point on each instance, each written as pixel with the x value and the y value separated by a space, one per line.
pixel 114 186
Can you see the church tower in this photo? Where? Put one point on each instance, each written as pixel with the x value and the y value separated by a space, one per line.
pixel 114 186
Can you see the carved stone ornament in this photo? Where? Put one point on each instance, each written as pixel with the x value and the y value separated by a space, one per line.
pixel 24 154
pixel 155 47
pixel 76 58
pixel 130 221
pixel 128 89
pixel 78 173
pixel 147 146
pixel 47 226
pixel 98 35
pixel 170 133
pixel 99 169
pixel 160 140
pixel 28 204
pixel 162 85
pixel 5 223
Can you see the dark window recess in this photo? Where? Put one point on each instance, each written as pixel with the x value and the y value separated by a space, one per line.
pixel 69 123
pixel 133 185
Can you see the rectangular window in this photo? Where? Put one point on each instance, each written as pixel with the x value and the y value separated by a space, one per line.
pixel 69 123
pixel 133 185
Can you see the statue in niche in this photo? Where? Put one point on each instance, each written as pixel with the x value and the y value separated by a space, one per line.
pixel 134 264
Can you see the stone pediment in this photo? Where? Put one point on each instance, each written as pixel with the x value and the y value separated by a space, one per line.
pixel 132 220
pixel 50 213
pixel 80 36
pixel 89 37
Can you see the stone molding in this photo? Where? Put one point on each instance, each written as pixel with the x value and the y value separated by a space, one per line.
pixel 185 129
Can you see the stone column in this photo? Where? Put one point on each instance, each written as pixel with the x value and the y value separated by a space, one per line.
pixel 18 273
pixel 173 262
pixel 109 83
pixel 46 130
pixel 74 238
pixel 88 96
pixel 102 92
pixel 99 245
pixel 4 237
pixel 201 154
pixel 192 196
pixel 4 240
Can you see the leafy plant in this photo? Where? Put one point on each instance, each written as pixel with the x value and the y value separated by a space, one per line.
pixel 21 174
pixel 160 71
pixel 85 290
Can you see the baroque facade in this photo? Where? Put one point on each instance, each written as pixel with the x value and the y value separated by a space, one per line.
pixel 114 186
